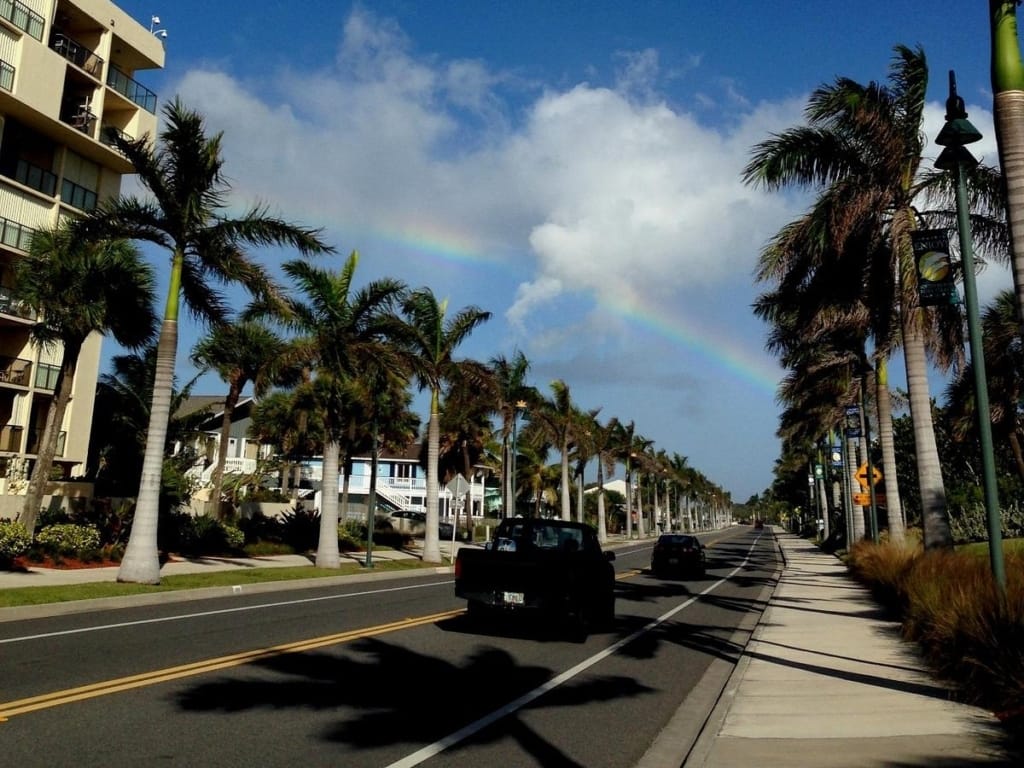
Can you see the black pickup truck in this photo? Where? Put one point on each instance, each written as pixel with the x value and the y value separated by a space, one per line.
pixel 553 568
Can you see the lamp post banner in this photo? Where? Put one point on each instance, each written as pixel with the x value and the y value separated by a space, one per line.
pixel 934 266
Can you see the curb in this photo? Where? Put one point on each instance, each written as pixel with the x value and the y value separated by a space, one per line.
pixel 699 750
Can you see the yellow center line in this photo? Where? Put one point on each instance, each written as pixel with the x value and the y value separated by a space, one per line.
pixel 59 698
pixel 628 574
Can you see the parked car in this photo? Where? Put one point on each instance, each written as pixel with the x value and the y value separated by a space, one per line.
pixel 678 553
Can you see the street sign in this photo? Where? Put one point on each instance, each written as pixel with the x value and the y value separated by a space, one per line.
pixel 458 486
pixel 862 476
pixel 864 499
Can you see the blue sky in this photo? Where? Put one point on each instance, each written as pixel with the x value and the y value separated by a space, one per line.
pixel 572 167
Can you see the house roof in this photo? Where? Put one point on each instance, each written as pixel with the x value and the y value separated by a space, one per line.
pixel 214 406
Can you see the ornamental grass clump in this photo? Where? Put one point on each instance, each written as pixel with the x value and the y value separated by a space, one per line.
pixel 971 634
pixel 883 568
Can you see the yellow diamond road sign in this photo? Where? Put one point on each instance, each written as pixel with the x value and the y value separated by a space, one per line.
pixel 862 476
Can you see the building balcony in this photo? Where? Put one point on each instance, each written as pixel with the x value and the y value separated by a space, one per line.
pixel 15 235
pixel 6 76
pixel 110 135
pixel 23 17
pixel 77 54
pixel 9 305
pixel 15 370
pixel 34 177
pixel 130 89
pixel 34 436
pixel 10 438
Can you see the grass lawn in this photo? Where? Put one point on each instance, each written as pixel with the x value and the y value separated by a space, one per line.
pixel 63 593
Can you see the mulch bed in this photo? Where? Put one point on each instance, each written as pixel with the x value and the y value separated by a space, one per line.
pixel 23 564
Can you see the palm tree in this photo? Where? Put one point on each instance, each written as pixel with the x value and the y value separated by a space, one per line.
pixel 553 420
pixel 286 420
pixel 78 287
pixel 1008 114
pixel 1004 366
pixel 586 424
pixel 512 394
pixel 241 353
pixel 602 438
pixel 344 331
pixel 431 339
pixel 187 215
pixel 863 146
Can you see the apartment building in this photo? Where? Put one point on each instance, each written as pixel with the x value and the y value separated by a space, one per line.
pixel 68 83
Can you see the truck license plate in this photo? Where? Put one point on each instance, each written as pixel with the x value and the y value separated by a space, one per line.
pixel 673 561
pixel 513 598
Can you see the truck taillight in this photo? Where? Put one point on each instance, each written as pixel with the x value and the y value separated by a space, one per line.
pixel 458 567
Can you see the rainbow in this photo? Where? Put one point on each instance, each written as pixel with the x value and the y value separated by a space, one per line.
pixel 445 246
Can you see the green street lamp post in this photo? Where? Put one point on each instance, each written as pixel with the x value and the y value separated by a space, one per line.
pixel 955 157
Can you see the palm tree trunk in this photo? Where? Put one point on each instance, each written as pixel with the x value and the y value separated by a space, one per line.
pixel 327 555
pixel 51 434
pixel 934 516
pixel 629 502
pixel 579 496
pixel 566 497
pixel 431 545
pixel 893 504
pixel 1008 116
pixel 1018 455
pixel 141 562
pixel 602 526
pixel 217 478
pixel 854 533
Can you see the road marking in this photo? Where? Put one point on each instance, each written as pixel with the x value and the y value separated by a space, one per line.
pixel 59 698
pixel 432 750
pixel 197 615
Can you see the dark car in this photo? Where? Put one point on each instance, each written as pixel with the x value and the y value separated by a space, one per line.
pixel 678 553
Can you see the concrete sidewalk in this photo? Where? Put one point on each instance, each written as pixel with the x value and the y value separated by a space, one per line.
pixel 826 681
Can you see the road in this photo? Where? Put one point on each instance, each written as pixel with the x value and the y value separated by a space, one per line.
pixel 387 673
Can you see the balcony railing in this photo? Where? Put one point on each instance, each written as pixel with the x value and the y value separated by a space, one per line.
pixel 23 17
pixel 109 135
pixel 15 370
pixel 131 90
pixel 77 195
pixel 76 53
pixel 15 235
pixel 11 306
pixel 33 442
pixel 6 76
pixel 10 438
pixel 35 177
pixel 46 376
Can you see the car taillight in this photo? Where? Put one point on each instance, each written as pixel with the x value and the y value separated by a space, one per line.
pixel 458 567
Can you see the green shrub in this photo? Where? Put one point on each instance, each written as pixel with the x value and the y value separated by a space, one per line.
pixel 300 529
pixel 14 540
pixel 260 528
pixel 206 535
pixel 68 539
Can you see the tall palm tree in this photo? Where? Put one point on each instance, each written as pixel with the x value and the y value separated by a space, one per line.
pixel 1008 114
pixel 584 451
pixel 862 146
pixel 431 338
pixel 602 438
pixel 78 287
pixel 243 352
pixel 345 331
pixel 553 421
pixel 186 214
pixel 512 394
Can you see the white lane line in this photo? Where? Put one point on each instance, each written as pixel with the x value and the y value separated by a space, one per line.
pixel 451 740
pixel 182 617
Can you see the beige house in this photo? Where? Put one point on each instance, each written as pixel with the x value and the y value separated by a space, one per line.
pixel 68 72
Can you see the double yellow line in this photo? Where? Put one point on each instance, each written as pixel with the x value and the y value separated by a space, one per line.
pixel 59 698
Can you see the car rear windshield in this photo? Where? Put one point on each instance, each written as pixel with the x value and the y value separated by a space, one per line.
pixel 541 536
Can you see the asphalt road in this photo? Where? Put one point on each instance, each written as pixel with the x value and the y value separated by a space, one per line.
pixel 386 673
